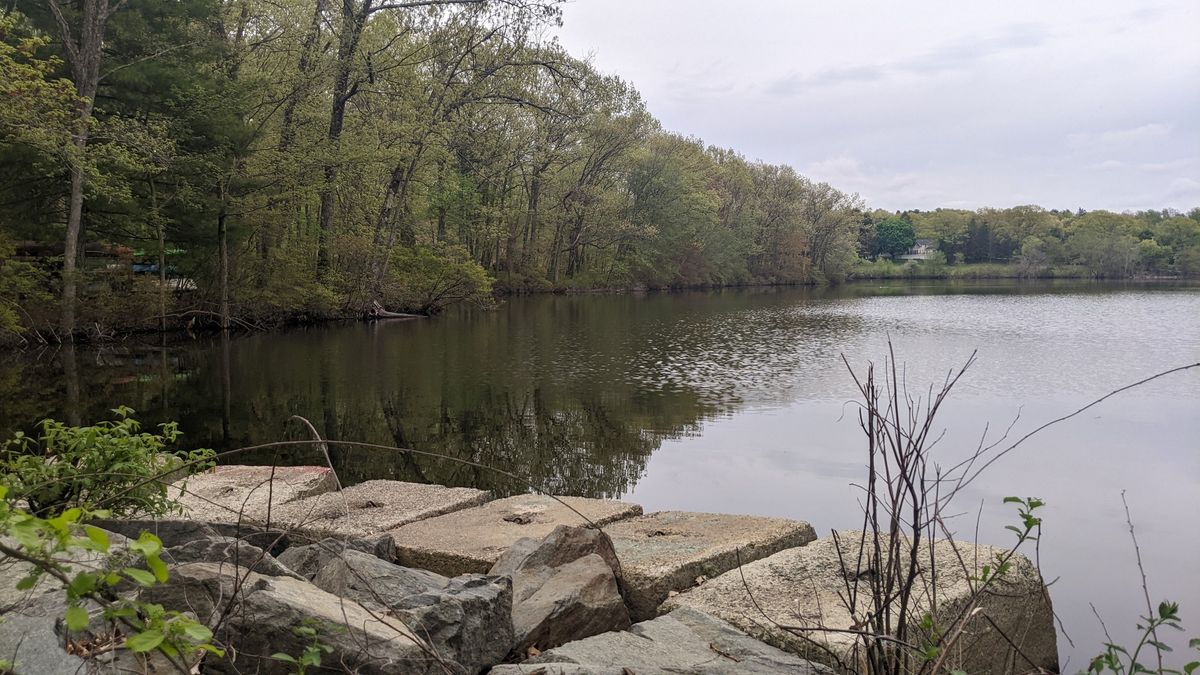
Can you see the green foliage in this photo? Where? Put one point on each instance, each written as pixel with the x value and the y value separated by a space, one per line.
pixel 111 464
pixel 38 104
pixel 426 279
pixel 1119 660
pixel 310 630
pixel 21 284
pixel 1104 244
pixel 1153 257
pixel 409 158
pixel 49 545
pixel 935 264
pixel 894 236
pixel 884 269
pixel 934 638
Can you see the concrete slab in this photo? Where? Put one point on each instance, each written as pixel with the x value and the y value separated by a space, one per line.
pixel 231 492
pixel 371 508
pixel 804 587
pixel 472 540
pixel 669 550
pixel 684 641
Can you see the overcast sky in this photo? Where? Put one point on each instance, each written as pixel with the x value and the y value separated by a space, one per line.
pixel 925 103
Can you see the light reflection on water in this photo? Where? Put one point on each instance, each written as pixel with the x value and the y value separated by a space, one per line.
pixel 729 401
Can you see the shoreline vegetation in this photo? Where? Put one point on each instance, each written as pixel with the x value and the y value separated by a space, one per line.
pixel 251 164
pixel 865 271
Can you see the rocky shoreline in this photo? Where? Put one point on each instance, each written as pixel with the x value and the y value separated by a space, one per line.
pixel 408 578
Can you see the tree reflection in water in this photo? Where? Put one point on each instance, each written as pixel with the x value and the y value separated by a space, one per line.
pixel 574 393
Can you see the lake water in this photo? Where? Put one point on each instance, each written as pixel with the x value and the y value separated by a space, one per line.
pixel 731 401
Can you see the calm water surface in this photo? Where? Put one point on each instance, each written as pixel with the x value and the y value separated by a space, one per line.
pixel 730 401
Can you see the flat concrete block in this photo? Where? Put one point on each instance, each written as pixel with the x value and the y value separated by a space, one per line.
pixel 669 550
pixel 805 586
pixel 231 492
pixel 470 541
pixel 371 508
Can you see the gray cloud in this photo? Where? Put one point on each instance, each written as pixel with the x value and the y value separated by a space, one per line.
pixel 965 52
pixel 794 84
pixel 919 105
pixel 1118 137
pixel 954 55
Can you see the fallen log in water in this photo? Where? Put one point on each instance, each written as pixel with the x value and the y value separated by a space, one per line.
pixel 378 312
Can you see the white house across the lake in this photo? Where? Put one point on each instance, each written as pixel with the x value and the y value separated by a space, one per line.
pixel 921 250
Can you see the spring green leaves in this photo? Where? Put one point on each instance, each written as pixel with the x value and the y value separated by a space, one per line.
pixel 50 487
pixel 310 630
pixel 112 465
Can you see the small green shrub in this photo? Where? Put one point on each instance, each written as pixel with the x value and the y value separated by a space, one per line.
pixel 21 285
pixel 113 465
pixel 48 545
pixel 1118 659
pixel 310 629
pixel 427 279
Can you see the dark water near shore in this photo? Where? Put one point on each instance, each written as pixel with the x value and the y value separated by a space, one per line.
pixel 723 401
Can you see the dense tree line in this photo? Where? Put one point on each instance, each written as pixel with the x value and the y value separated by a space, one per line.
pixel 267 160
pixel 1034 240
pixel 251 161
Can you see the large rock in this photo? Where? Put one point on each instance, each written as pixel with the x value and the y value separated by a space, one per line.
pixel 805 586
pixel 684 641
pixel 235 493
pixel 468 618
pixel 565 587
pixel 231 552
pixel 171 531
pixel 308 559
pixel 473 539
pixel 32 632
pixel 34 645
pixel 373 507
pixel 47 597
pixel 177 532
pixel 255 617
pixel 674 550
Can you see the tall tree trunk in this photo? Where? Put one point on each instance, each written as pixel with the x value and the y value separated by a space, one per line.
pixel 83 49
pixel 287 128
pixel 293 211
pixel 71 245
pixel 441 209
pixel 393 217
pixel 575 260
pixel 531 219
pixel 556 252
pixel 353 20
pixel 162 258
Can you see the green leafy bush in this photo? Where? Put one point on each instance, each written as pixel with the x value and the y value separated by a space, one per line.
pixel 20 284
pixel 427 279
pixel 112 465
pixel 310 630
pixel 49 546
pixel 1119 660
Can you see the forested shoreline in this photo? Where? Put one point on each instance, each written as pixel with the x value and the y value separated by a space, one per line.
pixel 252 162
